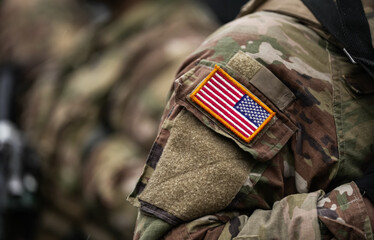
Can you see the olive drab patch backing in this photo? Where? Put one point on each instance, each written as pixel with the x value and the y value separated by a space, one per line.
pixel 232 104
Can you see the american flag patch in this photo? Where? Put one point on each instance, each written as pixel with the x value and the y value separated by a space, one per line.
pixel 233 105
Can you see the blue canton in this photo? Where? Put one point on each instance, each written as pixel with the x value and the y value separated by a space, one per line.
pixel 251 110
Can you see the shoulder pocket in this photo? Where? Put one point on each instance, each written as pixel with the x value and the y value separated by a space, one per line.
pixel 204 92
pixel 200 171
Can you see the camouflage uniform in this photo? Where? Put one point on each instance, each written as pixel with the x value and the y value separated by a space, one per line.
pixel 294 179
pixel 93 111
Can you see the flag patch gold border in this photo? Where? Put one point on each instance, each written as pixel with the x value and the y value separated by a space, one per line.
pixel 219 118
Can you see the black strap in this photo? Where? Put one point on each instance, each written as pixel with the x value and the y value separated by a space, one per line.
pixel 346 21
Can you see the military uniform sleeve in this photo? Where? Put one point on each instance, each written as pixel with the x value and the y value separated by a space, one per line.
pixel 300 216
pixel 197 173
pixel 257 129
pixel 308 216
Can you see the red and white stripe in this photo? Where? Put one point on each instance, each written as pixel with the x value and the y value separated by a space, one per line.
pixel 220 96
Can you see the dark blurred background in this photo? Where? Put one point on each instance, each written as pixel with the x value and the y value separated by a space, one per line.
pixel 82 89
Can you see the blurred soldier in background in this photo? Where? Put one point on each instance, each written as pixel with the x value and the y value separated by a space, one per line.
pixel 92 79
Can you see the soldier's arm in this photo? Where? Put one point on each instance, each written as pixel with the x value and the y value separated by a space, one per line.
pixel 294 217
pixel 205 177
pixel 340 213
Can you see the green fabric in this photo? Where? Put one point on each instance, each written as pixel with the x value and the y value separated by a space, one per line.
pixel 273 88
pixel 244 64
pixel 199 171
pixel 150 228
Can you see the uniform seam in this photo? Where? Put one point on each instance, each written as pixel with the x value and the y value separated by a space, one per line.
pixel 337 109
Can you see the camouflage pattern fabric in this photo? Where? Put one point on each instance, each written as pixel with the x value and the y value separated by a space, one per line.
pixel 299 169
pixel 93 107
